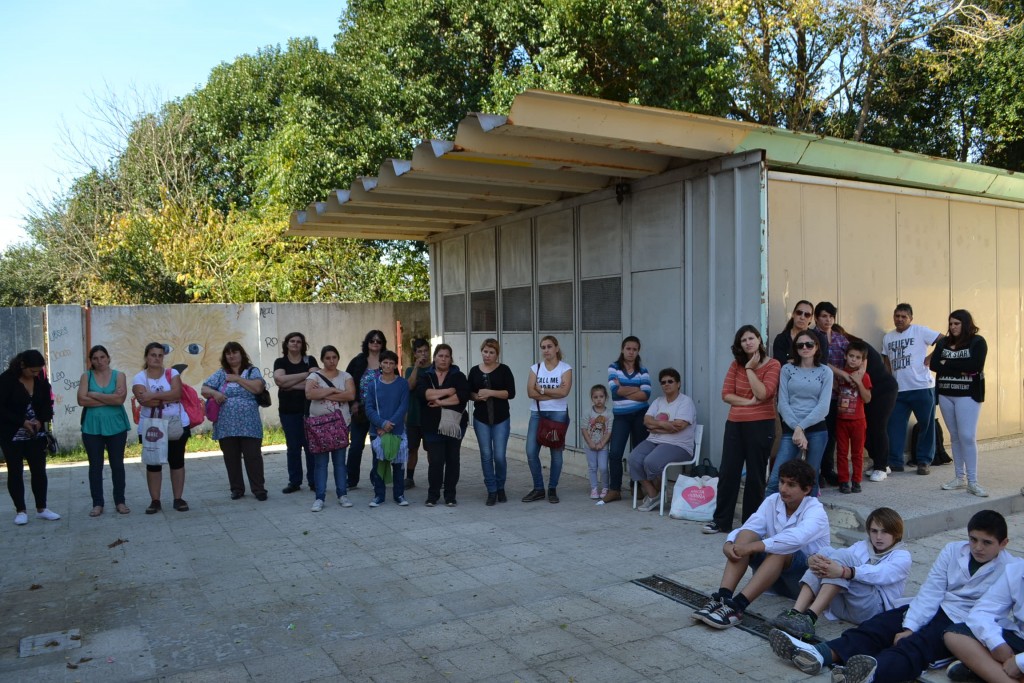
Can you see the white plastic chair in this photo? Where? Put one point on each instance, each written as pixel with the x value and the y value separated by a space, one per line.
pixel 698 435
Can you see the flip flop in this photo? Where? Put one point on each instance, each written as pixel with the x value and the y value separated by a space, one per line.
pixel 96 511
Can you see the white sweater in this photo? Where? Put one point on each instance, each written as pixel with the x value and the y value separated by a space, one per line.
pixel 782 534
pixel 888 575
pixel 1004 599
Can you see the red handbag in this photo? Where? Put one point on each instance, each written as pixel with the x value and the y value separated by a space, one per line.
pixel 551 433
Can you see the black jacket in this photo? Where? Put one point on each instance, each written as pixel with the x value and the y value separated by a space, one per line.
pixel 14 400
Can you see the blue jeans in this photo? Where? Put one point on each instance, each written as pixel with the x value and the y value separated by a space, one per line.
pixel 295 439
pixel 114 445
pixel 320 473
pixel 380 490
pixel 921 402
pixel 628 427
pixel 533 449
pixel 493 440
pixel 787 451
pixel 357 432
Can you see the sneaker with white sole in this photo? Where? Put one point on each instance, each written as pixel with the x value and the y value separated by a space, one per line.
pixel 21 518
pixel 594 495
pixel 402 502
pixel 879 475
pixel 711 528
pixel 344 502
pixel 48 514
pixel 958 671
pixel 977 490
pixel 803 656
pixel 710 606
pixel 318 505
pixel 376 502
pixel 860 669
pixel 725 616
pixel 954 484
pixel 795 624
pixel 648 504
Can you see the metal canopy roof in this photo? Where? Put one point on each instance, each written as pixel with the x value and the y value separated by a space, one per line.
pixel 553 146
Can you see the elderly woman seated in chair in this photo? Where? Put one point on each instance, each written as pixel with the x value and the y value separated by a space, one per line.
pixel 670 421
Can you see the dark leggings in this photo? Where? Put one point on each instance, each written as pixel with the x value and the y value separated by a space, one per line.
pixel 750 444
pixel 17 453
pixel 95 445
pixel 443 467
pixel 877 439
pixel 175 453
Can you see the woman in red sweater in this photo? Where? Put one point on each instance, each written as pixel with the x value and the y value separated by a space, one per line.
pixel 749 388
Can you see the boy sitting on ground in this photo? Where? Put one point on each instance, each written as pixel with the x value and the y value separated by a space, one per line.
pixel 855 583
pixel 991 643
pixel 776 541
pixel 898 644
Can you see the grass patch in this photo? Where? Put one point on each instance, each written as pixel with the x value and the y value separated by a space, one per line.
pixel 197 443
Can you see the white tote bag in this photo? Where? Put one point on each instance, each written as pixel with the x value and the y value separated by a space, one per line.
pixel 154 440
pixel 694 498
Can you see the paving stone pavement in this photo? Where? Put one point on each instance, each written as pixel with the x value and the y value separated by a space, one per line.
pixel 251 591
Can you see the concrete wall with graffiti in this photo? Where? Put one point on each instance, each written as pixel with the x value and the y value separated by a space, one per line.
pixel 195 334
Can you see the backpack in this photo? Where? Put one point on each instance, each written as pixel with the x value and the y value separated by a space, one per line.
pixel 194 406
pixel 941 455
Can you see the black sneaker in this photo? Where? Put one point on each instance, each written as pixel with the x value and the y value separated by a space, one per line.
pixel 180 505
pixel 153 508
pixel 502 498
pixel 844 487
pixel 235 495
pixel 451 503
pixel 261 496
pixel 552 496
pixel 958 671
pixel 431 502
pixel 291 488
pixel 492 498
pixel 536 494
pixel 724 616
pixel 855 487
pixel 924 469
pixel 709 607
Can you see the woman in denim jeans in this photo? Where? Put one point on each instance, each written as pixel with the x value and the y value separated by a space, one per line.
pixel 491 386
pixel 101 393
pixel 805 390
pixel 549 384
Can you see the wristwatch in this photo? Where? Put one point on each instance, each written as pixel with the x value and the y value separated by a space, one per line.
pixel 542 391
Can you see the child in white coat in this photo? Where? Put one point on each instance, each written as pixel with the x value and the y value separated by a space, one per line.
pixel 855 583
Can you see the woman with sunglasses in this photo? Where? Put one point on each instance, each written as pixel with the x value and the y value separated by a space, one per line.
pixel 365 369
pixel 799 321
pixel 669 421
pixel 805 389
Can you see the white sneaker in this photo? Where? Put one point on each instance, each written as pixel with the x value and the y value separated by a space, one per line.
pixel 21 518
pixel 344 502
pixel 954 484
pixel 648 504
pixel 977 490
pixel 318 505
pixel 402 502
pixel 878 475
pixel 48 514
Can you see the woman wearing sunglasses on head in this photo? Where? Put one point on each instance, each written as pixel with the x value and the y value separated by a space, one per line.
pixel 365 369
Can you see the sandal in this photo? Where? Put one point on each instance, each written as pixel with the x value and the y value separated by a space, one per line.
pixel 96 511
pixel 123 509
pixel 180 505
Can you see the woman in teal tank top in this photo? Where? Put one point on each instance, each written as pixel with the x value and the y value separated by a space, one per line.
pixel 101 393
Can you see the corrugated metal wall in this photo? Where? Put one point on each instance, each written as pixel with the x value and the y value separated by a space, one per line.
pixel 867 247
pixel 680 260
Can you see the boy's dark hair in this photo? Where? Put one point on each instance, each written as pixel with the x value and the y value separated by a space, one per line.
pixel 599 387
pixel 800 472
pixel 418 342
pixel 388 355
pixel 906 308
pixel 889 520
pixel 859 346
pixel 827 307
pixel 989 521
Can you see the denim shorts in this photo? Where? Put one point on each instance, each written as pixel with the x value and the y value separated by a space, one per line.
pixel 1012 638
pixel 788 583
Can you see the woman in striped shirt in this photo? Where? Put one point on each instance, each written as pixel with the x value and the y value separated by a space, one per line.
pixel 749 389
pixel 630 387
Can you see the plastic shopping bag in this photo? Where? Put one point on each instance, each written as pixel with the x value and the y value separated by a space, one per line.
pixel 154 440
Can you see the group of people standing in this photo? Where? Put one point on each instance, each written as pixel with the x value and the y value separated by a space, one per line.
pixel 833 393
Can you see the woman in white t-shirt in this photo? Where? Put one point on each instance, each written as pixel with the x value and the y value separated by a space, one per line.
pixel 549 384
pixel 670 421
pixel 159 388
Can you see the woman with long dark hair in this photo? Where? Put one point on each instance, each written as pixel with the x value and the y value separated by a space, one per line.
pixel 26 405
pixel 749 388
pixel 364 368
pixel 290 373
pixel 630 387
pixel 959 365
pixel 101 393
pixel 159 389
pixel 238 428
pixel 805 389
pixel 799 321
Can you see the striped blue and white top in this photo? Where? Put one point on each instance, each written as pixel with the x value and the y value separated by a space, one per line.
pixel 617 377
